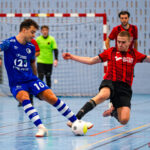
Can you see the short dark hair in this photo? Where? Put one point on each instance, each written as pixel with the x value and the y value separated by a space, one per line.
pixel 124 13
pixel 27 23
pixel 124 34
pixel 44 26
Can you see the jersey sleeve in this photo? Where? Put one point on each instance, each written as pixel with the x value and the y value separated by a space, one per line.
pixel 113 34
pixel 104 55
pixel 4 45
pixel 139 56
pixel 54 44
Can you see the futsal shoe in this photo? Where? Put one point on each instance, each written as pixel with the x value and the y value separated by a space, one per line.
pixel 42 132
pixel 89 124
pixel 108 112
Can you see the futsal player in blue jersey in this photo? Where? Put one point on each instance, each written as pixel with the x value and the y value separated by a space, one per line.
pixel 19 59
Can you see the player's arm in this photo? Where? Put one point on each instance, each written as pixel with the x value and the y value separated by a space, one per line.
pixel 135 37
pixel 55 50
pixel 37 53
pixel 84 60
pixel 147 59
pixel 111 36
pixel 107 43
pixel 33 66
pixel 4 45
pixel 135 44
pixel 56 57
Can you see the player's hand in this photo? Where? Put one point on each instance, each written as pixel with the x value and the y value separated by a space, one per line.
pixel 55 63
pixel 66 56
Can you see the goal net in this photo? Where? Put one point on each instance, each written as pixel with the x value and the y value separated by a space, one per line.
pixel 80 35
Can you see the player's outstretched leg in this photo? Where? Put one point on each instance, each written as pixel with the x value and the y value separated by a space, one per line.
pixel 65 111
pixel 51 98
pixel 85 109
pixel 33 115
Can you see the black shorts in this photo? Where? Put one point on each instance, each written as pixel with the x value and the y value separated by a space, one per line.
pixel 44 68
pixel 121 93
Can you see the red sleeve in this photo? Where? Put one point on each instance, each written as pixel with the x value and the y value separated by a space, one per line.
pixel 139 56
pixel 36 45
pixel 113 34
pixel 104 56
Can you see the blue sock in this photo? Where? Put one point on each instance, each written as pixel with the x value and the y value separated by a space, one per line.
pixel 65 110
pixel 31 112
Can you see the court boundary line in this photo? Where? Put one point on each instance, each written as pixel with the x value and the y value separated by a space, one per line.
pixel 111 137
pixel 24 122
pixel 1 134
pixel 107 130
pixel 118 138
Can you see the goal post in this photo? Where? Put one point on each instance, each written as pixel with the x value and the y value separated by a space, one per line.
pixel 83 34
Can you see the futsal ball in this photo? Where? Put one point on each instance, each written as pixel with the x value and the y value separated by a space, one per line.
pixel 79 127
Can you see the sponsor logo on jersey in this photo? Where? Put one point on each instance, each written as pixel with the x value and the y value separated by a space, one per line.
pixel 118 58
pixel 124 59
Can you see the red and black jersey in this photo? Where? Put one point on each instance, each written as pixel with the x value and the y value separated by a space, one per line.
pixel 132 30
pixel 121 64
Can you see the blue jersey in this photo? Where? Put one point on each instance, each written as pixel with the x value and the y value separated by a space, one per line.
pixel 17 59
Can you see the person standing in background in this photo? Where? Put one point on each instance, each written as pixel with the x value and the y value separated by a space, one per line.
pixel 37 53
pixel 124 26
pixel 45 62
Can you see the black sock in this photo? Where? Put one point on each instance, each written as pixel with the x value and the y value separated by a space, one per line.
pixel 86 108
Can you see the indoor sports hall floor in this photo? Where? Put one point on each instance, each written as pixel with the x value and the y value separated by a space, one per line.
pixel 17 132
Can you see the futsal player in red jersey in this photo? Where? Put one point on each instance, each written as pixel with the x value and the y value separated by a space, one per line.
pixel 118 79
pixel 124 26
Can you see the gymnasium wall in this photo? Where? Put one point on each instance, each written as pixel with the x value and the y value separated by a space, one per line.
pixel 140 16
